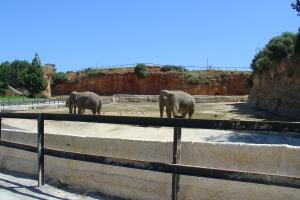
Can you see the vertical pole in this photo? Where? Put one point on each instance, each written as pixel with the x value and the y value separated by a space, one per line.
pixel 40 149
pixel 176 159
pixel 0 128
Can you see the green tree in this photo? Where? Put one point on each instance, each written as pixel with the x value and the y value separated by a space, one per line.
pixel 34 78
pixel 296 6
pixel 141 70
pixel 59 77
pixel 297 45
pixel 277 49
pixel 4 76
pixel 18 69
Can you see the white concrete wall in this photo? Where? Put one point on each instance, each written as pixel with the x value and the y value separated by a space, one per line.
pixel 138 184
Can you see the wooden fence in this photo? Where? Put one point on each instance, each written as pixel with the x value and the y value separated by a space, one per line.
pixel 175 168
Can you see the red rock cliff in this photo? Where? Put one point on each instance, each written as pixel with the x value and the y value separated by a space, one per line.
pixel 129 83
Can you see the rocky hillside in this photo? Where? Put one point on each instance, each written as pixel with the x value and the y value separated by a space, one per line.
pixel 277 89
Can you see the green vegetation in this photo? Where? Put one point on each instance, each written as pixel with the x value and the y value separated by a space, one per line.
pixel 297 45
pixel 206 76
pixel 277 49
pixel 178 68
pixel 95 72
pixel 296 6
pixel 21 73
pixel 141 70
pixel 58 77
pixel 12 98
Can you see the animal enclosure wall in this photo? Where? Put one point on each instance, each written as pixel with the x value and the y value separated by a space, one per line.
pixel 129 83
pixel 138 184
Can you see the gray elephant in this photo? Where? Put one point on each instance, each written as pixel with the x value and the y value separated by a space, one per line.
pixel 71 101
pixel 176 102
pixel 89 100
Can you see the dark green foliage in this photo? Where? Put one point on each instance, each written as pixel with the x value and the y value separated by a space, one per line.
pixel 77 79
pixel 95 72
pixel 21 73
pixel 18 70
pixel 297 45
pixel 59 77
pixel 178 68
pixel 296 6
pixel 141 70
pixel 277 49
pixel 190 79
pixel 34 77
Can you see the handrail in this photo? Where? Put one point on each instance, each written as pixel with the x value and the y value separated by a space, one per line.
pixel 175 168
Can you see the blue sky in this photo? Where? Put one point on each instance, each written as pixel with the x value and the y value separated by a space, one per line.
pixel 81 33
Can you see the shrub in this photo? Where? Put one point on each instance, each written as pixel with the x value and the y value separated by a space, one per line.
pixel 178 68
pixel 141 70
pixel 297 45
pixel 95 72
pixel 277 49
pixel 58 78
pixel 190 79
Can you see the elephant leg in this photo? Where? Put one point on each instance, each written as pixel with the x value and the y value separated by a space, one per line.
pixel 175 108
pixel 168 111
pixel 161 110
pixel 184 114
pixel 70 109
pixel 191 112
pixel 99 109
pixel 79 110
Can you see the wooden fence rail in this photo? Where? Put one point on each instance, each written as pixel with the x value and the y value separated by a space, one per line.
pixel 176 169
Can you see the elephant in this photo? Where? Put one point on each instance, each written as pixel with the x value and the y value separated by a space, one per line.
pixel 71 101
pixel 89 100
pixel 176 102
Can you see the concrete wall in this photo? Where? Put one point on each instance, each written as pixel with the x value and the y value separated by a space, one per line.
pixel 138 184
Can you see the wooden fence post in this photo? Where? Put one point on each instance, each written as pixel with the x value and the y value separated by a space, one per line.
pixel 176 159
pixel 40 141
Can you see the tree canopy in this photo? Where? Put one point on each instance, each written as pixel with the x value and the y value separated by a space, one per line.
pixel 278 48
pixel 21 73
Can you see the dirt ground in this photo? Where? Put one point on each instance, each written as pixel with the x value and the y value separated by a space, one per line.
pixel 203 111
pixel 229 111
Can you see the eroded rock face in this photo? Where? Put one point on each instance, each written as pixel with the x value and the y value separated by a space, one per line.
pixel 129 83
pixel 48 71
pixel 278 89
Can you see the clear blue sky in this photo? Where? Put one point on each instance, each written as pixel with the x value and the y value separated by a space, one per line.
pixel 75 34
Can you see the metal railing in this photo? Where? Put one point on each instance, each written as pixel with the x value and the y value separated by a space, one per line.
pixel 33 102
pixel 188 67
pixel 175 168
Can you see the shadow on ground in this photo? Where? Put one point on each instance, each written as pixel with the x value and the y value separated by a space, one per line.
pixel 254 137
pixel 246 109
pixel 26 186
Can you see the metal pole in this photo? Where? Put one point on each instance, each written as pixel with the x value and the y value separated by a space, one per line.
pixel 41 149
pixel 0 128
pixel 176 159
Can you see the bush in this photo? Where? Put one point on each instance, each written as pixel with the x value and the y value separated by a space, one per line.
pixel 297 45
pixel 190 79
pixel 95 72
pixel 178 68
pixel 141 70
pixel 277 49
pixel 58 78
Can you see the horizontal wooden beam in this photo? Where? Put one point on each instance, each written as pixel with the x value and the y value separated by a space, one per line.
pixel 240 176
pixel 291 127
pixel 184 123
pixel 15 145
